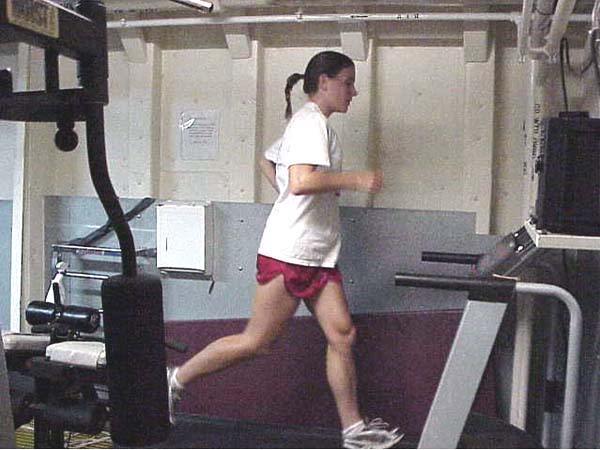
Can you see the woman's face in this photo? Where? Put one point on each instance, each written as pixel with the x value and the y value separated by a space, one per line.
pixel 339 91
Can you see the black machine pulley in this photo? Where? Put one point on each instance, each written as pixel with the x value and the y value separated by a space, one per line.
pixel 66 138
pixel 77 318
pixel 41 313
pixel 81 318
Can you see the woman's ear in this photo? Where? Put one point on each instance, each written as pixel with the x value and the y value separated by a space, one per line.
pixel 323 82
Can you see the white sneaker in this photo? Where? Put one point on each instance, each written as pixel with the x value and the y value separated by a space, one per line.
pixel 371 434
pixel 174 393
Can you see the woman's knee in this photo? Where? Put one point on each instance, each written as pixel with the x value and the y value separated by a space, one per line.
pixel 342 337
pixel 255 345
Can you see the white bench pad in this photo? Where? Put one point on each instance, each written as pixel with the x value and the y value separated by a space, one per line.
pixel 87 354
pixel 24 341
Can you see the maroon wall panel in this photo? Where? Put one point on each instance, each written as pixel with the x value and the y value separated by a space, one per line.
pixel 399 358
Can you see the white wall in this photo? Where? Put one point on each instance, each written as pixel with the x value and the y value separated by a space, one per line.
pixel 132 131
pixel 8 137
pixel 447 132
pixel 210 81
pixel 8 133
pixel 420 126
pixel 509 141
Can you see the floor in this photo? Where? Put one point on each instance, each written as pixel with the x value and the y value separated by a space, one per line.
pixel 24 437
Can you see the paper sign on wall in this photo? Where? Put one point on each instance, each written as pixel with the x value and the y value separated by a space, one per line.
pixel 199 135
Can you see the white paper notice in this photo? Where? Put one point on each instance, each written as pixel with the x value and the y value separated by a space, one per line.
pixel 199 135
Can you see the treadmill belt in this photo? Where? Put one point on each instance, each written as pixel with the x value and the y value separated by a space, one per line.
pixel 193 431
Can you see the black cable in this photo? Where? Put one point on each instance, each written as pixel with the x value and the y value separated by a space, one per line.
pixel 93 76
pixel 564 49
pixel 568 59
pixel 96 147
pixel 586 68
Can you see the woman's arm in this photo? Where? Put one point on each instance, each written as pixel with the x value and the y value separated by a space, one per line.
pixel 268 170
pixel 305 180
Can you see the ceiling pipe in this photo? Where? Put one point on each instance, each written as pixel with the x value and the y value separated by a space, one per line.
pixel 523 28
pixel 595 15
pixel 560 20
pixel 594 28
pixel 308 18
pixel 543 14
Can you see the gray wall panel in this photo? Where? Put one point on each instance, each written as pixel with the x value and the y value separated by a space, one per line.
pixel 377 243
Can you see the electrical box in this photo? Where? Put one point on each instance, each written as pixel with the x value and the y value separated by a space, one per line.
pixel 184 237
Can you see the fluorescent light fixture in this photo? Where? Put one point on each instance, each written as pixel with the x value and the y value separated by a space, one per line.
pixel 198 4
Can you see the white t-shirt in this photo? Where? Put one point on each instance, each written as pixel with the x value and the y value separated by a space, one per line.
pixel 304 229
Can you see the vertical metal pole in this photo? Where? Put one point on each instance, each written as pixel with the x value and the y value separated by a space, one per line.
pixel 550 369
pixel 521 362
pixel 573 352
pixel 462 374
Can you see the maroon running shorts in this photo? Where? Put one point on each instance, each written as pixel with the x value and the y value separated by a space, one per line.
pixel 300 281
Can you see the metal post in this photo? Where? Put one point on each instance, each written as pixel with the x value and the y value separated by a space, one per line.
pixel 462 374
pixel 573 352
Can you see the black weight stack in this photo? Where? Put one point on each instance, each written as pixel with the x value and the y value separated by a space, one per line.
pixel 134 335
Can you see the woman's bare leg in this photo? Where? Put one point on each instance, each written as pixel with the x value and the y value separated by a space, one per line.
pixel 271 308
pixel 331 310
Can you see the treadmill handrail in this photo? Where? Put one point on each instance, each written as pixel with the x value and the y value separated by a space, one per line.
pixel 479 288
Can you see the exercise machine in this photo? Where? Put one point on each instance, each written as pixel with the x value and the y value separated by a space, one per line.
pixel 57 373
pixel 489 293
pixel 132 302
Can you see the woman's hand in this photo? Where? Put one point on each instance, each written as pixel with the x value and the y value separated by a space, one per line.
pixel 369 181
pixel 268 170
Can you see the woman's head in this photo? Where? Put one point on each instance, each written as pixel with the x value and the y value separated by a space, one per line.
pixel 329 64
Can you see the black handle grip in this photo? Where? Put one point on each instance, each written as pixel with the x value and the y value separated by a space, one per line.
pixel 453 258
pixel 177 346
pixel 490 289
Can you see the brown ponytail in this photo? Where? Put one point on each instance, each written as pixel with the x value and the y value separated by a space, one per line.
pixel 291 81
